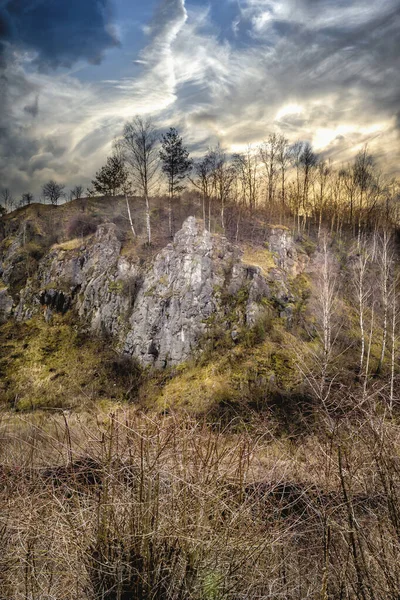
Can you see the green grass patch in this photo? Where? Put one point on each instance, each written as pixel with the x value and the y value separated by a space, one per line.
pixel 54 366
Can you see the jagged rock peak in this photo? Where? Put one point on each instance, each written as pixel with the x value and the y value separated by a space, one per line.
pixel 186 291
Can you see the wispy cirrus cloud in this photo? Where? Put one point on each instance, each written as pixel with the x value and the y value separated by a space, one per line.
pixel 326 71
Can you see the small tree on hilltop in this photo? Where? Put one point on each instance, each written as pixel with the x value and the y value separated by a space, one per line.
pixel 76 192
pixel 111 179
pixel 26 199
pixel 53 191
pixel 176 165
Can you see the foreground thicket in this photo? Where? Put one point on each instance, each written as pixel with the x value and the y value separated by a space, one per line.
pixel 134 506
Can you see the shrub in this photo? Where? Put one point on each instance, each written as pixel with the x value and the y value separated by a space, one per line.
pixel 81 225
pixel 260 330
pixel 34 250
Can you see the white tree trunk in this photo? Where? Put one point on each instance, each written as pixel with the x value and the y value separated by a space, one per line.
pixel 148 227
pixel 385 264
pixel 130 216
pixel 393 356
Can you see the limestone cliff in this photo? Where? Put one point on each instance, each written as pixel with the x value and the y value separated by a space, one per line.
pixel 161 313
pixel 184 290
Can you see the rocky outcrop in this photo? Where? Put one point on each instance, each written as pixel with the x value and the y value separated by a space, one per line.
pixel 283 247
pixel 188 287
pixel 160 314
pixel 6 304
pixel 91 278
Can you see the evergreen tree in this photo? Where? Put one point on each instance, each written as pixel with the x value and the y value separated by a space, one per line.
pixel 176 165
pixel 112 178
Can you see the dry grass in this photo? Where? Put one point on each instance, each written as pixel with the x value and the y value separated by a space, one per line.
pixel 259 257
pixel 128 505
pixel 69 245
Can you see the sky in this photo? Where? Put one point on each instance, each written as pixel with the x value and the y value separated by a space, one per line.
pixel 72 72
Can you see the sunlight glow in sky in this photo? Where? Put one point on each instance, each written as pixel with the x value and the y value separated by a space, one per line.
pixel 228 71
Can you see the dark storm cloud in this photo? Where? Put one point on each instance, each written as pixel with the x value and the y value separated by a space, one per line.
pixel 46 34
pixel 60 31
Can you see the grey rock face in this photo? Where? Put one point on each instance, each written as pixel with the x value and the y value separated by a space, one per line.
pixel 159 315
pixel 6 304
pixel 92 279
pixel 282 245
pixel 183 292
pixel 12 267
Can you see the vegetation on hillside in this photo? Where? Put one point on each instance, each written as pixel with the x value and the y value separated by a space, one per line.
pixel 267 466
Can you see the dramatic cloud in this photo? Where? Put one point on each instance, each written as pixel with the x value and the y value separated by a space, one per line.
pixel 222 70
pixel 58 32
pixel 36 37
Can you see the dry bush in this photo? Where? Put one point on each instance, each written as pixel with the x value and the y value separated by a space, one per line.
pixel 81 225
pixel 134 506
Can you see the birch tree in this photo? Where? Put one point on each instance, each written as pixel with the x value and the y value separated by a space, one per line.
pixel 363 293
pixel 323 175
pixel 140 146
pixel 203 181
pixel 223 175
pixel 283 158
pixel 362 173
pixel 327 297
pixel 246 166
pixel 386 263
pixel 393 340
pixel 308 161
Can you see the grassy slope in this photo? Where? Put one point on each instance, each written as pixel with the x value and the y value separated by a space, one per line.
pixel 53 365
pixel 176 507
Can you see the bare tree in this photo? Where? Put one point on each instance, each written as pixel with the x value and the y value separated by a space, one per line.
pixel 386 262
pixel 53 191
pixel 139 143
pixel 362 173
pixel 269 155
pixel 308 161
pixel 76 192
pixel 283 158
pixel 393 299
pixel 363 293
pixel 295 152
pixel 203 181
pixel 7 199
pixel 26 199
pixel 223 177
pixel 347 178
pixel 326 325
pixel 323 174
pixel 246 166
